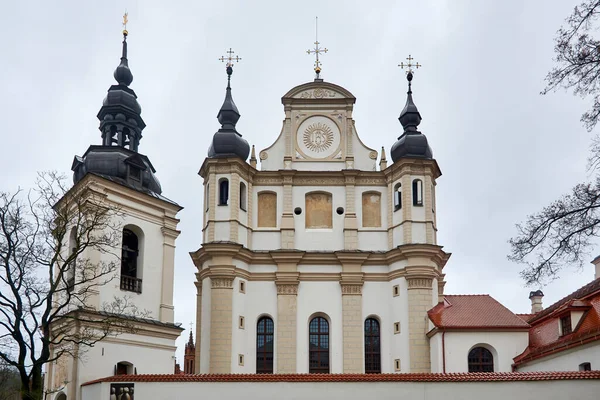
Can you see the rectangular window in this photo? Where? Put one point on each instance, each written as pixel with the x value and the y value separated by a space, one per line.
pixel 565 324
pixel 241 360
pixel 417 189
pixel 396 290
pixel 397 364
pixel 242 287
pixel 396 327
pixel 242 322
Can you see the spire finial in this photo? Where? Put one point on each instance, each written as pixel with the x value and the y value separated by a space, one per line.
pixel 229 67
pixel 125 21
pixel 317 50
pixel 409 70
pixel 253 157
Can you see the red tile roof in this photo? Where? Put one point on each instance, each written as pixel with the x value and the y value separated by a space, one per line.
pixel 417 377
pixel 585 291
pixel 474 312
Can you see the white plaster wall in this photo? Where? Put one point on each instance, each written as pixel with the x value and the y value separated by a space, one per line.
pixel 419 234
pixel 373 241
pixel 266 239
pixel 148 354
pixel 324 298
pixel 205 327
pixel 362 160
pixel 238 336
pixel 398 235
pixel 276 152
pixel 150 260
pixel 504 346
pixel 260 300
pixel 524 390
pixel 222 230
pixel 319 239
pixel 376 302
pixel 568 360
pixel 319 165
pixel 435 351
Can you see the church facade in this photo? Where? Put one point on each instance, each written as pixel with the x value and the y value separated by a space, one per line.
pixel 322 259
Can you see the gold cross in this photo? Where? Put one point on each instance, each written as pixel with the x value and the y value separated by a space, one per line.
pixel 409 65
pixel 317 50
pixel 125 21
pixel 230 58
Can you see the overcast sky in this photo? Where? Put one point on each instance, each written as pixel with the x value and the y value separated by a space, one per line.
pixel 504 150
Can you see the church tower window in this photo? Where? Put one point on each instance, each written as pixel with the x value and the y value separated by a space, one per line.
pixel 72 264
pixel 264 346
pixel 371 210
pixel 417 189
pixel 267 210
pixel 318 346
pixel 481 360
pixel 318 210
pixel 397 197
pixel 223 191
pixel 372 347
pixel 129 262
pixel 243 196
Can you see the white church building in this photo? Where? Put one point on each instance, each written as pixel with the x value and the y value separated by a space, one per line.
pixel 319 265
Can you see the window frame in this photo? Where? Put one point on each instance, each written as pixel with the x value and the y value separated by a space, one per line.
pixel 397 197
pixel 480 364
pixel 223 192
pixel 565 321
pixel 262 363
pixel 243 197
pixel 372 353
pixel 417 192
pixel 322 368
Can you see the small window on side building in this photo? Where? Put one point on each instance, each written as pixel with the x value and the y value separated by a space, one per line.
pixel 565 325
pixel 586 366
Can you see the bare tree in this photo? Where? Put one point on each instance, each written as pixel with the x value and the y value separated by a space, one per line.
pixel 48 281
pixel 578 58
pixel 10 385
pixel 562 233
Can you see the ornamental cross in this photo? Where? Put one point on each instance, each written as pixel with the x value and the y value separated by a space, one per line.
pixel 317 50
pixel 125 21
pixel 230 58
pixel 409 65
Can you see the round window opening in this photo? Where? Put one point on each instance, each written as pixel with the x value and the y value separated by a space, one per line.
pixel 340 210
pixel 297 211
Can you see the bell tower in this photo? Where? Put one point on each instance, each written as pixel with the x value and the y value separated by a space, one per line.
pixel 118 176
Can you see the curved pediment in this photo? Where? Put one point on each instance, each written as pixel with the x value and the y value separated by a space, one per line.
pixel 318 91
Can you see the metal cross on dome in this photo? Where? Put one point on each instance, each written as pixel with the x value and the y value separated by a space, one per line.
pixel 125 21
pixel 409 65
pixel 317 50
pixel 230 58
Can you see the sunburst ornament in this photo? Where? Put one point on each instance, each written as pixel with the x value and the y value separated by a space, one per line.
pixel 318 137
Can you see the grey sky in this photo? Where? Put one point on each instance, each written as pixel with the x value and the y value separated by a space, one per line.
pixel 504 150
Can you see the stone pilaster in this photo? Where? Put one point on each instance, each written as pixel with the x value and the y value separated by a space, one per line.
pixel 221 297
pixel 167 311
pixel 250 212
pixel 197 353
pixel 352 318
pixel 287 217
pixel 429 225
pixel 286 279
pixel 234 207
pixel 407 208
pixel 350 221
pixel 212 203
pixel 419 302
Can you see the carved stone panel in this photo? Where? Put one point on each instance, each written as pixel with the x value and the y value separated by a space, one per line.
pixel 267 210
pixel 318 137
pixel 318 210
pixel 288 288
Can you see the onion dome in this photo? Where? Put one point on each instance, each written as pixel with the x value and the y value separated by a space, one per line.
pixel 411 143
pixel 121 125
pixel 227 142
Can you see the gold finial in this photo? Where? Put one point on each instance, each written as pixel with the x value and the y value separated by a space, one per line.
pixel 317 50
pixel 230 58
pixel 125 21
pixel 409 65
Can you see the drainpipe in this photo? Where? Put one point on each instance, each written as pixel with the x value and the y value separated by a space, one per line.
pixel 443 352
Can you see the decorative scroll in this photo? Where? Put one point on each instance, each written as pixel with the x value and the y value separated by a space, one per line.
pixel 318 93
pixel 263 155
pixel 373 155
pixel 288 288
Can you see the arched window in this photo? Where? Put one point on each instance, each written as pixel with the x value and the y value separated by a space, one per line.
pixel 207 197
pixel 372 347
pixel 129 262
pixel 318 343
pixel 124 368
pixel 417 192
pixel 264 346
pixel 318 210
pixel 61 396
pixel 223 191
pixel 371 210
pixel 70 275
pixel 267 210
pixel 481 360
pixel 243 196
pixel 397 197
